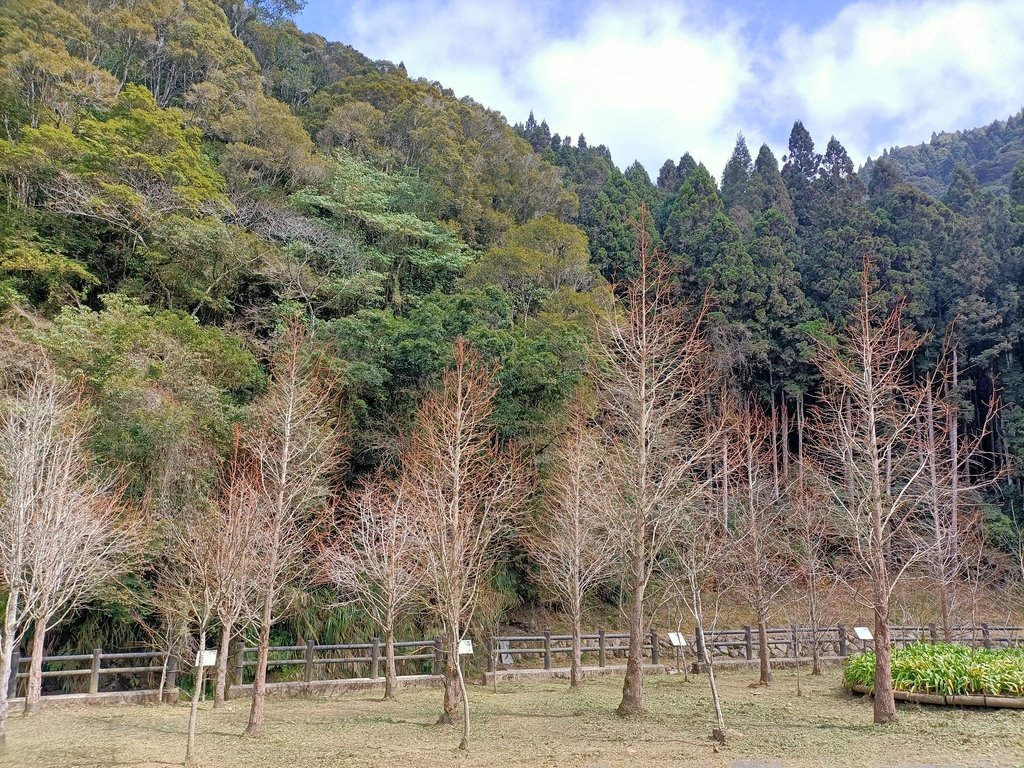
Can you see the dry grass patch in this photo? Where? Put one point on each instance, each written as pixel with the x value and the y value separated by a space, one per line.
pixel 535 724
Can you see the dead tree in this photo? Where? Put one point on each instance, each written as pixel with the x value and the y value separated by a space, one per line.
pixel 570 540
pixel 759 557
pixel 869 438
pixel 467 490
pixel 64 531
pixel 653 381
pixel 373 561
pixel 295 448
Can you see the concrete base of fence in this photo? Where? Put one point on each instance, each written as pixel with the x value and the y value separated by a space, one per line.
pixel 107 698
pixel 563 672
pixel 780 663
pixel 992 702
pixel 329 688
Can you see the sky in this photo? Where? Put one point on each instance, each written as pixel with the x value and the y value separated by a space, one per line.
pixel 652 80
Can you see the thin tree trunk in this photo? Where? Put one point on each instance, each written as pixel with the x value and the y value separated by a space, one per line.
pixel 464 743
pixel 193 713
pixel 885 701
pixel 576 665
pixel 390 667
pixel 6 657
pixel 632 686
pixel 813 606
pixel 34 692
pixel 764 652
pixel 259 685
pixel 451 685
pixel 220 690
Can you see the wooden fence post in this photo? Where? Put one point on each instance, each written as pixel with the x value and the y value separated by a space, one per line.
pixel 654 647
pixel 547 649
pixel 12 683
pixel 986 636
pixel 94 673
pixel 698 638
pixel 438 656
pixel 749 640
pixel 841 630
pixel 933 633
pixel 309 661
pixel 601 652
pixel 796 642
pixel 374 657
pixel 492 652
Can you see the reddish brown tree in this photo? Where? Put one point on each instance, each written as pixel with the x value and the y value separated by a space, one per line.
pixel 872 446
pixel 570 539
pixel 374 561
pixel 295 447
pixel 467 490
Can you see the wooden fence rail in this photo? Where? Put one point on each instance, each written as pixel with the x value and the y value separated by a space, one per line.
pixel 311 662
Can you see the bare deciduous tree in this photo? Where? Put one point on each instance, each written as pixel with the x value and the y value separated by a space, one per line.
pixel 239 566
pixel 64 532
pixel 467 490
pixel 570 539
pixel 760 557
pixel 653 385
pixel 295 447
pixel 700 546
pixel 870 438
pixel 374 561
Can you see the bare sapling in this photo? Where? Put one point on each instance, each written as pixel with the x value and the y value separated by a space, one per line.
pixel 871 447
pixel 701 545
pixel 760 556
pixel 374 561
pixel 65 533
pixel 653 380
pixel 952 457
pixel 239 567
pixel 468 490
pixel 188 592
pixel 295 447
pixel 570 539
pixel 814 531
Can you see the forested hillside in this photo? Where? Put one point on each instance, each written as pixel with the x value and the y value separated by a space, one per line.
pixel 182 178
pixel 991 153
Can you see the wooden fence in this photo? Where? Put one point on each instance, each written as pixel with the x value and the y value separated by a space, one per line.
pixel 309 662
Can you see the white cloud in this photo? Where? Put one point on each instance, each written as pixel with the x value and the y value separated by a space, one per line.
pixel 652 81
pixel 880 75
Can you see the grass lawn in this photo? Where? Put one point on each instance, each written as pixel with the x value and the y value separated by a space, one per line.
pixel 536 723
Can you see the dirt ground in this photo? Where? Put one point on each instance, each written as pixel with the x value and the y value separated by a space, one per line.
pixel 538 723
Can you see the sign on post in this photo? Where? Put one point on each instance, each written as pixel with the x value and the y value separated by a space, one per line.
pixel 677 639
pixel 863 633
pixel 206 658
pixel 465 647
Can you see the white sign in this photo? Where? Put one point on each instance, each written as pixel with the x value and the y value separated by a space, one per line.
pixel 677 639
pixel 465 647
pixel 863 633
pixel 209 659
